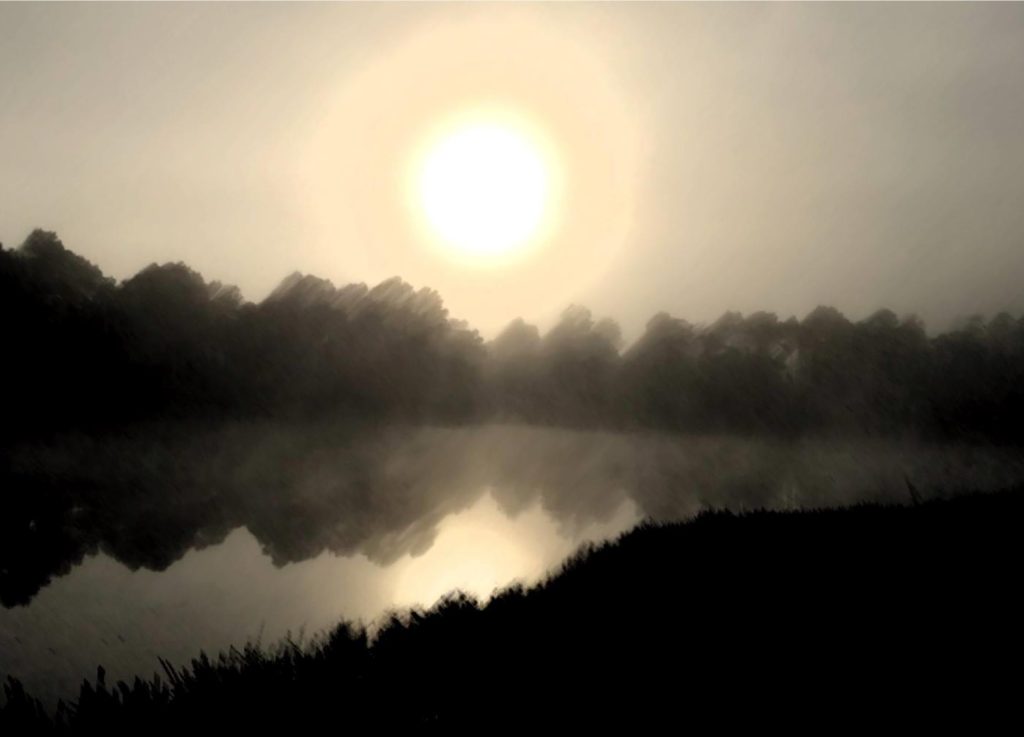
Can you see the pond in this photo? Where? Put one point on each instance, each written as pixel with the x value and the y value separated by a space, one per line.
pixel 164 543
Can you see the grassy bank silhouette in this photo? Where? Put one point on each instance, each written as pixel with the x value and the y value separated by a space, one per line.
pixel 736 617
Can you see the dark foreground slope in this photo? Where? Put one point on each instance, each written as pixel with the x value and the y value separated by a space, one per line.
pixel 835 615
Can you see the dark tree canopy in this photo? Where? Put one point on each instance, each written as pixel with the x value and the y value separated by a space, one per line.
pixel 86 353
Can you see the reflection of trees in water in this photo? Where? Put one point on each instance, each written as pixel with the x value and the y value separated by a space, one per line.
pixel 307 488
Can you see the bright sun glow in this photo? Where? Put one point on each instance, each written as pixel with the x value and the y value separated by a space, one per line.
pixel 476 551
pixel 485 189
pixel 482 548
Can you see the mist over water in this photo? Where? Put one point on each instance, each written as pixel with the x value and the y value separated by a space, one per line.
pixel 274 529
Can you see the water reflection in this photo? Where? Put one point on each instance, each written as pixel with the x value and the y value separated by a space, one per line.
pixel 483 548
pixel 229 593
pixel 178 539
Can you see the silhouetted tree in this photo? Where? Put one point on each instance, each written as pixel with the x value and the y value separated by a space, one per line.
pixel 164 344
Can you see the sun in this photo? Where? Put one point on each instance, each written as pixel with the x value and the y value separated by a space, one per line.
pixel 485 188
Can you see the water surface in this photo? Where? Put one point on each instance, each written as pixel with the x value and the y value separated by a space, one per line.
pixel 165 544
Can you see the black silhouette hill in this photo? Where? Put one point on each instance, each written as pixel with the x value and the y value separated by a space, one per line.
pixel 855 617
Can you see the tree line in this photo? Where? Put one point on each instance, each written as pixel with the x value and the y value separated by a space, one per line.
pixel 85 352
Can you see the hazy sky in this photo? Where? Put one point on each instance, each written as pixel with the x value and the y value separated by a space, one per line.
pixel 717 156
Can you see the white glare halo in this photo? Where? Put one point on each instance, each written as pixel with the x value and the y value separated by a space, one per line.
pixel 484 189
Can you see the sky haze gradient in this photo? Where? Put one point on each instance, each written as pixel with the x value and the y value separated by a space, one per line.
pixel 746 157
